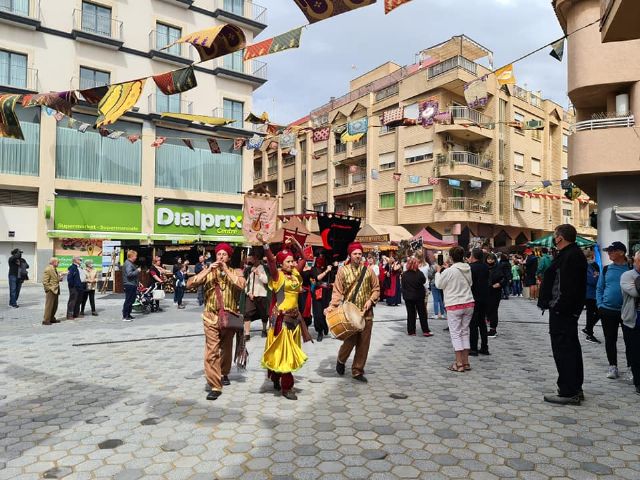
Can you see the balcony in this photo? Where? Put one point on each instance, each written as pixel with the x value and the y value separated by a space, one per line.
pixel 257 175
pixel 243 13
pixel 619 20
pixel 600 123
pixel 21 14
pixel 360 143
pixel 341 181
pixel 468 124
pixel 272 170
pixel 19 80
pixel 97 30
pixel 358 178
pixel 340 148
pixel 465 166
pixel 179 54
pixel 252 72
pixel 455 209
pixel 168 104
pixel 453 63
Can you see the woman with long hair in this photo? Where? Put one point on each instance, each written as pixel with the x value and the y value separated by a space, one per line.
pixel 414 293
pixel 393 294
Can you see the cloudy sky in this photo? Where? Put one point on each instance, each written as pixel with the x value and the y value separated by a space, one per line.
pixel 338 49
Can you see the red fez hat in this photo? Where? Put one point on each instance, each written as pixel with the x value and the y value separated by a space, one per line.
pixel 282 255
pixel 225 247
pixel 354 246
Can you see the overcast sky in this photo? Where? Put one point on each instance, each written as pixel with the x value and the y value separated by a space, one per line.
pixel 338 49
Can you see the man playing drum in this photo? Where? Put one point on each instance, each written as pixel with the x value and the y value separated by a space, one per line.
pixel 367 292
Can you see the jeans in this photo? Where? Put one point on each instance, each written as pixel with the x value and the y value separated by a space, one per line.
pixel 129 297
pixel 479 324
pixel 567 353
pixel 419 307
pixel 15 284
pixel 632 346
pixel 516 287
pixel 438 302
pixel 179 295
pixel 505 291
pixel 611 321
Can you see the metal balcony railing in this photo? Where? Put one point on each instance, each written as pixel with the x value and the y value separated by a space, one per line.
pixel 272 170
pixel 461 204
pixel 29 9
pixel 360 143
pixel 25 78
pixel 466 158
pixel 157 41
pixel 358 178
pixel 244 8
pixel 102 25
pixel 465 113
pixel 255 68
pixel 597 124
pixel 452 64
pixel 340 148
pixel 168 104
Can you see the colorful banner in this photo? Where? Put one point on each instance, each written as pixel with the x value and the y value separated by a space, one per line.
pixel 177 81
pixel 426 111
pixel 505 75
pixel 346 138
pixel 255 142
pixel 260 214
pixel 9 122
pixel 287 140
pixel 359 126
pixel 319 10
pixel 214 42
pixel 285 41
pixel 393 117
pixel 476 93
pixel 118 100
pixel 390 5
pixel 321 134
pixel 337 233
pixel 94 95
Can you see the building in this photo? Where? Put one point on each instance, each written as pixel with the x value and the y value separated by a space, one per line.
pixel 63 191
pixel 604 87
pixel 484 165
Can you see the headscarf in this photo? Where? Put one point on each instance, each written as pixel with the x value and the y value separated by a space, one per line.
pixel 225 247
pixel 282 255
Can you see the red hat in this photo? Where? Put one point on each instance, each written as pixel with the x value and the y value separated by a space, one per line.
pixel 354 246
pixel 528 251
pixel 225 247
pixel 282 255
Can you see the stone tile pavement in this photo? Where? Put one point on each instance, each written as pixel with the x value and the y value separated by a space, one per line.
pixel 137 409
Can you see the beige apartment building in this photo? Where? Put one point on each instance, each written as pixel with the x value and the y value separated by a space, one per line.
pixel 65 192
pixel 604 87
pixel 483 164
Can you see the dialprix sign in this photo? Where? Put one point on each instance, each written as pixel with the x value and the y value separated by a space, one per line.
pixel 198 220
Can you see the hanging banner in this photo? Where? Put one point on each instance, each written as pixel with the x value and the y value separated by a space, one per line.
pixel 94 95
pixel 255 142
pixel 260 213
pixel 9 122
pixel 204 119
pixel 346 138
pixel 287 140
pixel 61 101
pixel 214 42
pixel 390 5
pixel 393 117
pixel 317 11
pixel 359 126
pixel 285 41
pixel 476 93
pixel 505 75
pixel 321 134
pixel 118 100
pixel 213 145
pixel 337 233
pixel 177 81
pixel 426 111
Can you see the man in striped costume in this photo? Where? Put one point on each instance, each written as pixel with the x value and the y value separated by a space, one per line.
pixel 366 297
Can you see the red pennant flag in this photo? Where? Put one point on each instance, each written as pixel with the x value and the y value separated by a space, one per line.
pixel 159 141
pixel 133 138
pixel 104 132
pixel 396 176
pixel 238 143
pixel 188 143
pixel 213 145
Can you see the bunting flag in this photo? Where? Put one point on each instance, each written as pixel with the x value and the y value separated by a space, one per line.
pixel 546 183
pixel 321 134
pixel 118 100
pixel 188 142
pixel 443 118
pixel 257 120
pixel 454 183
pixel 204 119
pixel 359 126
pixel 427 111
pixel 213 145
pixel 59 116
pixel 60 101
pixel 115 135
pixel 103 132
pixel 133 138
pixel 557 49
pixel 9 123
pixel 83 128
pixel 353 169
pixel 572 193
pixel 340 129
pixel 390 5
pixel 71 123
pixel 158 141
pixel 177 81
pixel 375 174
pixel 476 93
pixel 93 96
pixel 505 75
pixel 238 143
pixel 539 195
pixel 214 42
pixel 287 140
pixel 317 11
pixel 475 184
pixel 346 138
pixel 285 41
pixel 566 184
pixel 414 179
pixel 397 176
pixel 393 117
pixel 433 181
pixel 259 214
pixel 337 233
pixel 255 142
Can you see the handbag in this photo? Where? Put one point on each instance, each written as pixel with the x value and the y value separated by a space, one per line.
pixel 227 320
pixel 158 294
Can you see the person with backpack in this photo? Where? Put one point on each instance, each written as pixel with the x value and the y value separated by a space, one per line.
pixel 630 314
pixel 609 300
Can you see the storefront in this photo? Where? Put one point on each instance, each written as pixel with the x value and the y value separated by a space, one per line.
pixel 18 228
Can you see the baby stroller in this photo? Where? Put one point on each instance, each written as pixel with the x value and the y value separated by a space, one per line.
pixel 144 298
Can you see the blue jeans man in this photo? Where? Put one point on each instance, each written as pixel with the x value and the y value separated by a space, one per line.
pixel 129 298
pixel 15 284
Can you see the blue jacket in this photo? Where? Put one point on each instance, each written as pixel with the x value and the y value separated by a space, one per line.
pixel 73 277
pixel 592 280
pixel 608 292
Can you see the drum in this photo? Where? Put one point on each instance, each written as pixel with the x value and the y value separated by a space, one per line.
pixel 344 321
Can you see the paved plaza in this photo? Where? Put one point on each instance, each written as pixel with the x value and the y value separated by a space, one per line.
pixel 134 408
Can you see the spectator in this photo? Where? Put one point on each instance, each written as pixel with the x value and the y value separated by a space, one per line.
pixel 516 282
pixel 75 289
pixel 181 284
pixel 322 278
pixel 563 293
pixel 91 277
pixel 51 284
pixel 393 293
pixel 83 281
pixel 480 291
pixel 17 275
pixel 414 293
pixel 176 268
pixel 505 266
pixel 544 262
pixel 609 300
pixel 456 283
pixel 593 272
pixel 424 268
pixel 255 291
pixel 198 268
pixel 437 295
pixel 630 283
pixel 159 276
pixel 496 282
pixel 130 282
pixel 530 279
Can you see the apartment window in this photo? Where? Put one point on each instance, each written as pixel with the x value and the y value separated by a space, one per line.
pixel 90 78
pixel 565 142
pixel 96 19
pixel 384 129
pixel 418 153
pixel 418 196
pixel 289 185
pixel 319 178
pixel 21 7
pixel 567 213
pixel 518 161
pixel 387 200
pixel 320 207
pixel 565 173
pixel 535 166
pixel 536 135
pixel 167 103
pixel 457 192
pixel 13 69
pixel 387 161
pixel 234 110
pixel 166 35
pixel 519 117
pixel 234 6
pixel 518 202
pixel 411 111
pixel 387 92
pixel 288 159
pixel 535 205
pixel 234 61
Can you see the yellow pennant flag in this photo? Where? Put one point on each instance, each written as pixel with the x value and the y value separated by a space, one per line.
pixel 118 100
pixel 345 137
pixel 505 75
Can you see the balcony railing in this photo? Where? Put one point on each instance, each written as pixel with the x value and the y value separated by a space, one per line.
pixel 465 113
pixel 358 178
pixel 341 181
pixel 255 68
pixel 100 25
pixel 360 143
pixel 168 105
pixel 257 174
pixel 23 78
pixel 272 170
pixel 466 158
pixel 597 124
pixel 461 204
pixel 29 9
pixel 452 64
pixel 246 9
pixel 340 148
pixel 158 42
pixel 387 92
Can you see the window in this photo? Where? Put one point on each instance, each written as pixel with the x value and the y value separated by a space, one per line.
pixel 518 202
pixel 21 7
pixel 519 117
pixel 289 185
pixel 167 103
pixel 387 161
pixel 411 111
pixel 13 69
pixel 565 142
pixel 234 61
pixel 418 196
pixel 235 110
pixel 457 192
pixel 536 135
pixel 288 159
pixel 567 213
pixel 387 92
pixel 234 6
pixel 418 153
pixel 384 129
pixel 535 166
pixel 90 78
pixel 518 161
pixel 565 173
pixel 96 19
pixel 320 207
pixel 319 178
pixel 166 35
pixel 535 205
pixel 388 200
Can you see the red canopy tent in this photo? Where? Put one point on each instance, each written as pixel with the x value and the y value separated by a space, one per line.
pixel 430 242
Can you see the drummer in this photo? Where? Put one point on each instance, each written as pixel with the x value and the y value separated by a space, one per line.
pixel 347 280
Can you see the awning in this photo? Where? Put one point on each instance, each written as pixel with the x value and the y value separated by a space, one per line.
pixel 396 233
pixel 97 235
pixel 628 214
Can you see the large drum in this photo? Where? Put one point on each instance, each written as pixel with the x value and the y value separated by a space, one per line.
pixel 345 320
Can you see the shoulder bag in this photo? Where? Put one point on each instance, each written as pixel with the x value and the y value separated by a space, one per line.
pixel 227 320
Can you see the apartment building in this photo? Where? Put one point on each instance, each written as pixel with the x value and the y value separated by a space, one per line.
pixel 604 87
pixel 485 167
pixel 64 191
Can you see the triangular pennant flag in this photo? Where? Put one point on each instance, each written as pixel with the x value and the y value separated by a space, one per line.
pixel 115 135
pixel 118 100
pixel 276 44
pixel 505 75
pixel 546 183
pixel 158 141
pixel 58 116
pixel 177 81
pixel 238 143
pixel 133 138
pixel 557 50
pixel 321 10
pixel 259 120
pixel 397 176
pixel 60 101
pixel 83 128
pixel 214 42
pixel 213 145
pixel 104 132
pixel 390 5
pixel 94 95
pixel 188 143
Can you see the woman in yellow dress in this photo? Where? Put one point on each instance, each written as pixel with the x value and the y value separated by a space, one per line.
pixel 283 353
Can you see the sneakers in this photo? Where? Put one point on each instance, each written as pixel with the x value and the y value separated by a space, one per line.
pixel 127 319
pixel 492 333
pixel 628 377
pixel 427 334
pixel 590 337
pixel 613 372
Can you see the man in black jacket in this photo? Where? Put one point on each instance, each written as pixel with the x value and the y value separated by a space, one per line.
pixel 563 293
pixel 480 290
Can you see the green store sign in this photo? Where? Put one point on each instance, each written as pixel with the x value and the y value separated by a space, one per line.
pixel 89 215
pixel 198 220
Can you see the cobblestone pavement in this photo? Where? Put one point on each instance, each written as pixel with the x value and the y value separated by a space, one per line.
pixel 138 410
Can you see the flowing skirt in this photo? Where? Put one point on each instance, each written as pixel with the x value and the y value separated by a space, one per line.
pixel 282 351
